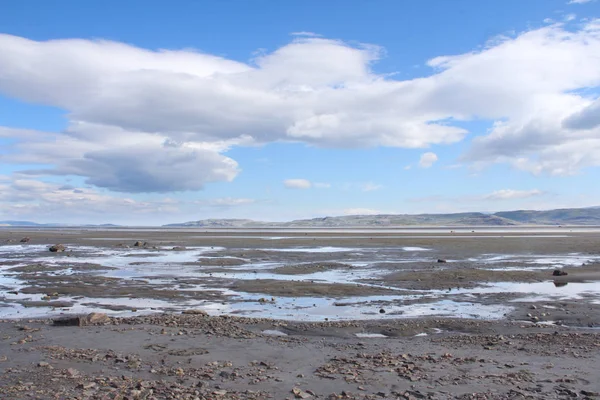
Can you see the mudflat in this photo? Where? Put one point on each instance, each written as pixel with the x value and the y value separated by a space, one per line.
pixel 355 314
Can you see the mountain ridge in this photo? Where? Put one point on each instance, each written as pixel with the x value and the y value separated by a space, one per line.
pixel 564 216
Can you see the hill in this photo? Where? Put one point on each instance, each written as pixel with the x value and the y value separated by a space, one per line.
pixel 568 216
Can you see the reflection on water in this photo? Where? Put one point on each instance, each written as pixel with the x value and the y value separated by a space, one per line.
pixel 162 268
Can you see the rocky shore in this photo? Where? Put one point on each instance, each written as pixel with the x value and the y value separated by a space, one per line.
pixel 195 356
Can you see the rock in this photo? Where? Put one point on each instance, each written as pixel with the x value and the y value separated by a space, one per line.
pixel 25 240
pixel 300 394
pixel 139 244
pixel 179 248
pixel 82 320
pixel 381 311
pixel 558 272
pixel 441 260
pixel 195 312
pixel 97 318
pixel 72 373
pixel 43 364
pixel 57 248
pixel 69 321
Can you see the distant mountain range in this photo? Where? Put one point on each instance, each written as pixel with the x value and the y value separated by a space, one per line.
pixel 567 216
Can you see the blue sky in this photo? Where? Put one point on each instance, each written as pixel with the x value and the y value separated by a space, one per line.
pixel 150 112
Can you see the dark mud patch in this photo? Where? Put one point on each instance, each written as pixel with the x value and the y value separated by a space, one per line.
pixel 220 261
pixel 106 287
pixel 459 278
pixel 36 268
pixel 54 304
pixel 112 307
pixel 310 268
pixel 274 287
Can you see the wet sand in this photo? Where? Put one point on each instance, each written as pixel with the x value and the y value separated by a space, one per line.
pixel 490 322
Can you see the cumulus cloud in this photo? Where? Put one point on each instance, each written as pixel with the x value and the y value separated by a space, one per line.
pixel 137 162
pixel 157 121
pixel 28 197
pixel 510 194
pixel 297 184
pixel 427 159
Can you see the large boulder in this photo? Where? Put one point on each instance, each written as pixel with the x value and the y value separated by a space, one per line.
pixel 57 248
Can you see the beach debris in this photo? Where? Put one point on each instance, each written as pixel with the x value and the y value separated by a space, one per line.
pixel 25 240
pixel 559 272
pixel 57 248
pixel 441 260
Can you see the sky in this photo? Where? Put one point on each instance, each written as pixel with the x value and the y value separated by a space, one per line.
pixel 149 112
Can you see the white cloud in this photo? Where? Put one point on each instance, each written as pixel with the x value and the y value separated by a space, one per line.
pixel 161 121
pixel 297 184
pixel 322 185
pixel 306 34
pixel 360 211
pixel 229 202
pixel 370 187
pixel 427 159
pixel 23 198
pixel 510 194
pixel 135 162
pixel 580 1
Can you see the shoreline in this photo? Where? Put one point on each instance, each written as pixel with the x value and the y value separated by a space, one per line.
pixel 179 356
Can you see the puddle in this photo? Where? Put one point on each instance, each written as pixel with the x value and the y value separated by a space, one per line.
pixel 168 269
pixel 370 335
pixel 270 332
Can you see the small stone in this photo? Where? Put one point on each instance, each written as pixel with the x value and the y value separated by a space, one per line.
pixel 25 240
pixel 57 248
pixel 43 364
pixel 97 318
pixel 381 311
pixel 300 394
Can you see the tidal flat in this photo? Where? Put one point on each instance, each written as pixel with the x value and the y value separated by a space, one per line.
pixel 327 312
